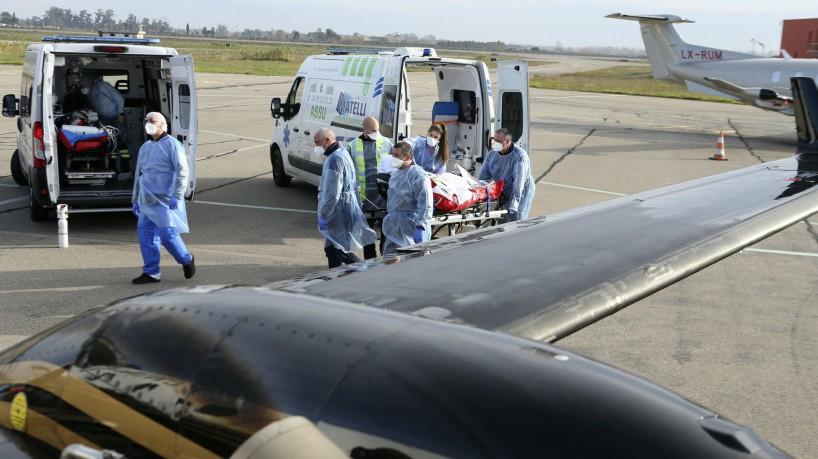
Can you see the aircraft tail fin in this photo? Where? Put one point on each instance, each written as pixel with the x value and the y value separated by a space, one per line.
pixel 665 46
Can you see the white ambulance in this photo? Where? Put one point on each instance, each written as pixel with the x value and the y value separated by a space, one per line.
pixel 338 90
pixel 65 153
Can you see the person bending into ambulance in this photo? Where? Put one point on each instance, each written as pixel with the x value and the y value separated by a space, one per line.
pixel 160 182
pixel 109 104
pixel 410 202
pixel 511 164
pixel 340 218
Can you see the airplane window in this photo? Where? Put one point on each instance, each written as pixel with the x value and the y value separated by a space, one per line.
pixel 776 76
pixel 798 74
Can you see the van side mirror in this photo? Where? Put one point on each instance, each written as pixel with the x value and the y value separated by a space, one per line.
pixel 10 106
pixel 275 107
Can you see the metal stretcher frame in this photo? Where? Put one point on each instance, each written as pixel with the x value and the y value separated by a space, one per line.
pixel 477 215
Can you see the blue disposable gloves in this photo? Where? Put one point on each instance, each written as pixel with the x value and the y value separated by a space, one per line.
pixel 322 224
pixel 417 236
pixel 136 209
pixel 512 211
pixel 173 203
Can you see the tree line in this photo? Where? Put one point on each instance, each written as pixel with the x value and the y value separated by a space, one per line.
pixel 84 20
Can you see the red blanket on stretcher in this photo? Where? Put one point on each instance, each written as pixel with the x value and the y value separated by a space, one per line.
pixel 477 194
pixel 82 138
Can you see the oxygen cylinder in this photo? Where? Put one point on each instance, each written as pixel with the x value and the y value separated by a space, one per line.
pixel 62 225
pixel 468 164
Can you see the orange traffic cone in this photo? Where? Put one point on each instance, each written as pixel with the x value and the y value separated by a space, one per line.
pixel 720 155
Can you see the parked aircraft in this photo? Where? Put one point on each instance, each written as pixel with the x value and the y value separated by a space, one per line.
pixel 392 358
pixel 755 80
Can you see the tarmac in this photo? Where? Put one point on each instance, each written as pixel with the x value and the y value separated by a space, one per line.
pixel 740 337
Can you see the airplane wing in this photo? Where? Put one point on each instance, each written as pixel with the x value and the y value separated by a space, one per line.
pixel 741 92
pixel 548 277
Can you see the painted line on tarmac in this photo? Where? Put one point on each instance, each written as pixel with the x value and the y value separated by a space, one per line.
pixel 581 188
pixel 55 289
pixel 8 201
pixel 237 136
pixel 218 155
pixel 784 252
pixel 245 206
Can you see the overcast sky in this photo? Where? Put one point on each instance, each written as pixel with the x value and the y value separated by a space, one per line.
pixel 728 24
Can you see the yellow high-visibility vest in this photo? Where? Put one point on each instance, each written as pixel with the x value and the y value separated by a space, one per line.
pixel 357 150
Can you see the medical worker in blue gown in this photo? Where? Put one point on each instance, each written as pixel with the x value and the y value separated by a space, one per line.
pixel 340 218
pixel 410 202
pixel 432 151
pixel 158 199
pixel 510 163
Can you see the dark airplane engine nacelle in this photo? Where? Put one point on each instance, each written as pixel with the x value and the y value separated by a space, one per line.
pixel 767 94
pixel 197 372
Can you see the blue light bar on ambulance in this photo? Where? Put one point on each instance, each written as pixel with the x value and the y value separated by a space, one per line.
pixel 416 52
pixel 120 40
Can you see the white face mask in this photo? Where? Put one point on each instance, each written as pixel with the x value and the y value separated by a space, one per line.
pixel 496 146
pixel 150 128
pixel 395 162
pixel 431 141
pixel 85 90
pixel 374 135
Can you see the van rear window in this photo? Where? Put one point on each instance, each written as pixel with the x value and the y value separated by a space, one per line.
pixel 467 100
pixel 117 79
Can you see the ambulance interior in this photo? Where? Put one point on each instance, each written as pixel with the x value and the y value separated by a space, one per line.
pixel 448 94
pixel 91 153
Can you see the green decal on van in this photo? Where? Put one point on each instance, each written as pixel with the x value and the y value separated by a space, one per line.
pixel 318 112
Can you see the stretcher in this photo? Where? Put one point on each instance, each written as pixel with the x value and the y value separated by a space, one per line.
pixel 85 148
pixel 461 201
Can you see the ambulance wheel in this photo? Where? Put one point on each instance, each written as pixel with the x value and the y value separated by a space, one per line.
pixel 279 176
pixel 17 169
pixel 38 212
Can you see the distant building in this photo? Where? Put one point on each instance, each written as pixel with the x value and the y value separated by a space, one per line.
pixel 799 37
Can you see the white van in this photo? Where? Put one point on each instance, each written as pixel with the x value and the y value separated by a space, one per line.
pixel 340 89
pixel 65 155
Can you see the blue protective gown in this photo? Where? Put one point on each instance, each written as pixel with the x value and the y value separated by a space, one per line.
pixel 410 204
pixel 161 172
pixel 106 100
pixel 347 229
pixel 515 169
pixel 424 156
